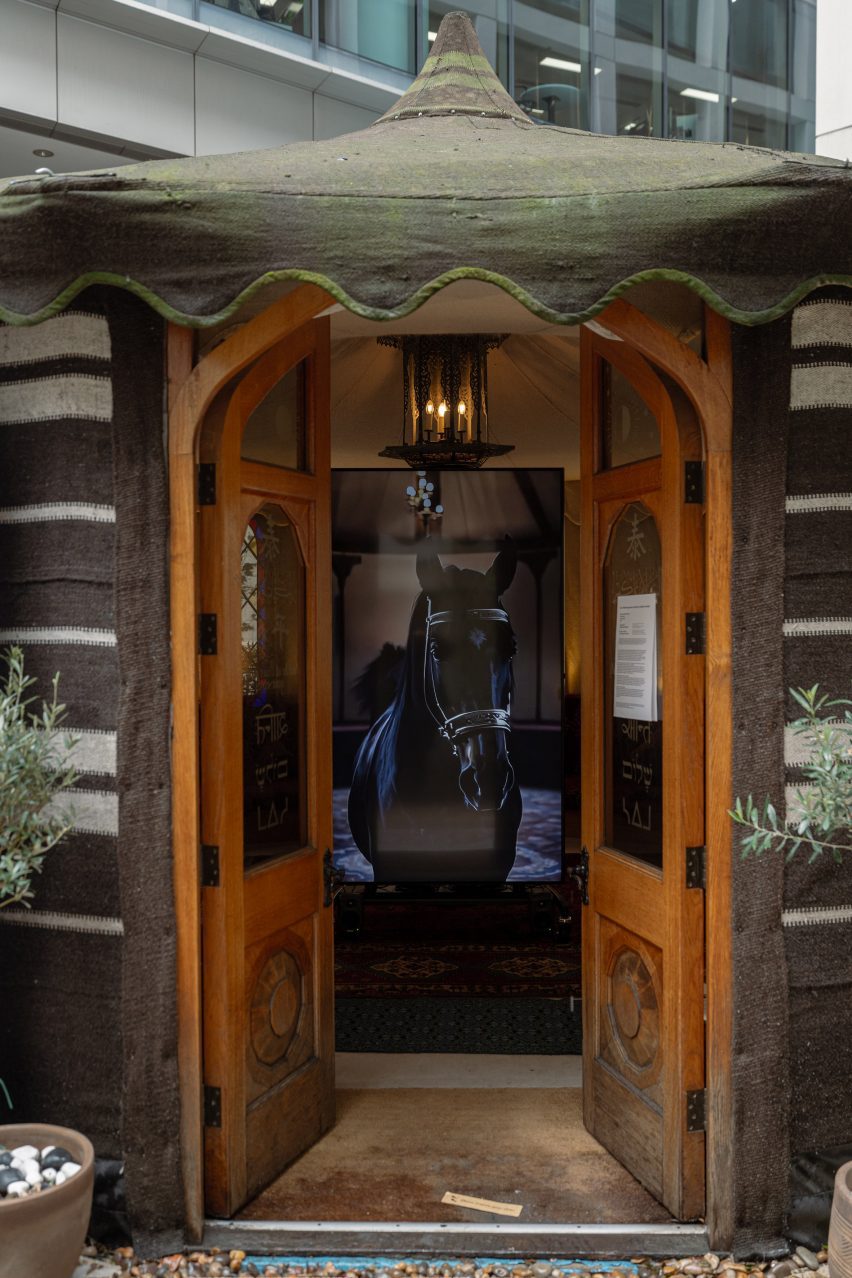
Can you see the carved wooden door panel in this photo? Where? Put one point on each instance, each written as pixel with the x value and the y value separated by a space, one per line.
pixel 643 776
pixel 265 721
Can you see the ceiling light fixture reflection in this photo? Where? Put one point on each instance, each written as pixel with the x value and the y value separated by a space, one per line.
pixel 42 153
pixel 431 35
pixel 703 95
pixel 561 64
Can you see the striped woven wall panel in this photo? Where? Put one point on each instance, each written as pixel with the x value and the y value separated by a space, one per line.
pixel 65 548
pixel 59 1038
pixel 817 916
pixel 818 550
pixel 62 958
pixel 56 462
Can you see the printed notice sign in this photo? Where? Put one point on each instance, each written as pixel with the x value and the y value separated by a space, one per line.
pixel 635 675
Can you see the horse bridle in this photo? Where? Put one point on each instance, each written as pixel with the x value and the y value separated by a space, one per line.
pixel 469 722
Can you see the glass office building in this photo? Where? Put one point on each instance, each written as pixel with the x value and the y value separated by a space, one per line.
pixel 714 70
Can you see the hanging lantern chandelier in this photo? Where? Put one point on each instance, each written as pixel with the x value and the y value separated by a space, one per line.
pixel 445 401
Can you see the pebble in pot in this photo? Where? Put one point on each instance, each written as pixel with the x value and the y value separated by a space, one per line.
pixel 29 1170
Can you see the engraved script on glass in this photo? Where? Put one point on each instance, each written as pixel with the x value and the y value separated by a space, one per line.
pixel 273 682
pixel 633 759
pixel 630 429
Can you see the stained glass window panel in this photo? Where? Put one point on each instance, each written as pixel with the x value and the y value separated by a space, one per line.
pixel 273 688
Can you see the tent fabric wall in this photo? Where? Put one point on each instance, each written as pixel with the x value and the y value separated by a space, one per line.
pixel 792 586
pixel 60 1033
pixel 818 649
pixel 760 1082
pixel 88 1032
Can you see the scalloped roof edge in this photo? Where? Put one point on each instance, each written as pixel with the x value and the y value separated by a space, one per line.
pixel 750 319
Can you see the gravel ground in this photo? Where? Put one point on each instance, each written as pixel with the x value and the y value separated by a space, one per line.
pixel 96 1263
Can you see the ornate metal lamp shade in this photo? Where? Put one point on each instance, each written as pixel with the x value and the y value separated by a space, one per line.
pixel 445 401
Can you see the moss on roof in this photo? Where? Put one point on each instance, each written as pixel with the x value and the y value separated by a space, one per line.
pixel 453 182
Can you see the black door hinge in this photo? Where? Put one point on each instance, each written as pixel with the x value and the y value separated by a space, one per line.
pixel 207 484
pixel 693 491
pixel 209 865
pixel 695 629
pixel 333 879
pixel 696 868
pixel 212 1106
pixel 207 634
pixel 696 1111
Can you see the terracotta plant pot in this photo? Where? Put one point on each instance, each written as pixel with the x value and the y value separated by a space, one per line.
pixel 840 1229
pixel 43 1233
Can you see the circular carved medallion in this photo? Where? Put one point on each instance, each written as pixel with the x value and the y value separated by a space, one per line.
pixel 276 1006
pixel 634 1014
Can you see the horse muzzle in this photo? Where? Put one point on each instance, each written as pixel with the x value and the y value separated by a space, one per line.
pixel 487 776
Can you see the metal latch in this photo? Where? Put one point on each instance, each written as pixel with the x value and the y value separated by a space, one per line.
pixel 333 879
pixel 580 874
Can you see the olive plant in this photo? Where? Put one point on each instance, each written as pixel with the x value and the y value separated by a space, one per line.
pixel 35 767
pixel 822 820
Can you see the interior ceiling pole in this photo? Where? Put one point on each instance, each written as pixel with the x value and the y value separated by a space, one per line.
pixel 190 394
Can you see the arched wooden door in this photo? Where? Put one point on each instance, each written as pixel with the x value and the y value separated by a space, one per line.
pixel 265 729
pixel 643 774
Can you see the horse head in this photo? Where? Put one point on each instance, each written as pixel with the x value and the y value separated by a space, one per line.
pixel 467 676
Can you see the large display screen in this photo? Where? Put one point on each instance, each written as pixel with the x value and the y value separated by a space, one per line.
pixel 448 659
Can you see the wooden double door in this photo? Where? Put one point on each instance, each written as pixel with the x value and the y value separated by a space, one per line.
pixel 265 733
pixel 265 729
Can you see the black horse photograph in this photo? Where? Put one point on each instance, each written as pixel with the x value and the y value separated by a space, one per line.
pixel 447 752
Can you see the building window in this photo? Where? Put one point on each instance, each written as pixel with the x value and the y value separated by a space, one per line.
pixel 552 61
pixel 627 83
pixel 292 15
pixel 697 39
pixel 759 41
pixel 380 30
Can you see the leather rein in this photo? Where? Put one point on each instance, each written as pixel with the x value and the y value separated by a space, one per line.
pixel 469 722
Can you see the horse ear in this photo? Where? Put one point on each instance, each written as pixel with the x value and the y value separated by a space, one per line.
pixel 502 571
pixel 430 571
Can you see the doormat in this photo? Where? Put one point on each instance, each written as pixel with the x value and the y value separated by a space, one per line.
pixel 502 1026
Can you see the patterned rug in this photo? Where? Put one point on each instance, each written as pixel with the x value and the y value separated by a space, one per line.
pixel 369 970
pixel 505 1026
pixel 444 949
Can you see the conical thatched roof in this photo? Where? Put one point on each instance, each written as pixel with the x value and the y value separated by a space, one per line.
pixel 453 182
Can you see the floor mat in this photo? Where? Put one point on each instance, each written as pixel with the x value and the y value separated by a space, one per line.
pixel 506 1026
pixel 394 1153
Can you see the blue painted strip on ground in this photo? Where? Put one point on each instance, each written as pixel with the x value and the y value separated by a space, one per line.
pixel 388 1262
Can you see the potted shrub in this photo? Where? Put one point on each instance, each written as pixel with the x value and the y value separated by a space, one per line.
pixel 46 1172
pixel 821 824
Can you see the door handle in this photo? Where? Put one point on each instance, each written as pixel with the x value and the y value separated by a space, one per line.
pixel 333 879
pixel 580 874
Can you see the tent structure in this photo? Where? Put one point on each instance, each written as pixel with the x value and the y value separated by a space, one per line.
pixel 455 183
